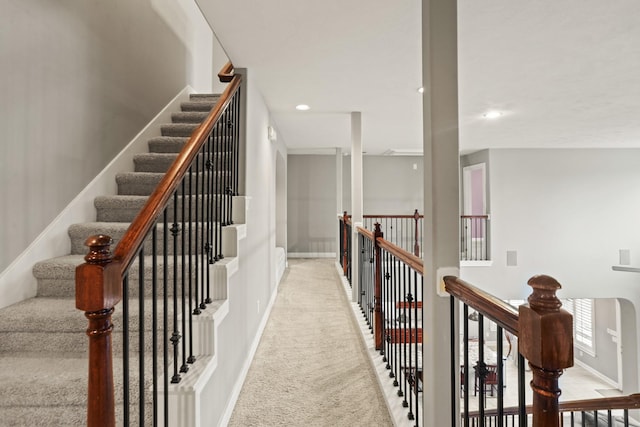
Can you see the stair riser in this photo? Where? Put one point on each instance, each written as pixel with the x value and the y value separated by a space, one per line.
pixel 145 184
pixel 175 144
pixel 189 117
pixel 128 214
pixel 197 106
pixel 161 164
pixel 65 287
pixel 78 239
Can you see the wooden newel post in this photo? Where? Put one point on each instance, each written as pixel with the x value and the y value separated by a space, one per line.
pixel 97 296
pixel 546 340
pixel 377 293
pixel 345 244
pixel 416 245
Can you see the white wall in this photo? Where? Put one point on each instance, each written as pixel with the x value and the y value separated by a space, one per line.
pixel 78 80
pixel 567 213
pixel 253 287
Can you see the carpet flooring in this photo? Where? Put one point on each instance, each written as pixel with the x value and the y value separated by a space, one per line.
pixel 310 368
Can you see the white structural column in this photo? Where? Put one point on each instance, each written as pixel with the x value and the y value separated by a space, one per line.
pixel 441 199
pixel 339 208
pixel 356 198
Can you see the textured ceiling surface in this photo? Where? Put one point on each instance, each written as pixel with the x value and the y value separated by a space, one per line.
pixel 564 74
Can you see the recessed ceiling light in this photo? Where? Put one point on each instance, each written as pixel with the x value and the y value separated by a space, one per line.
pixel 302 107
pixel 493 114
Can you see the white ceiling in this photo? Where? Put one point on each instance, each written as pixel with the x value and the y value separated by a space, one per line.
pixel 564 74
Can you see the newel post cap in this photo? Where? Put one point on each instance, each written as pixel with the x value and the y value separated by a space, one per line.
pixel 97 284
pixel 545 329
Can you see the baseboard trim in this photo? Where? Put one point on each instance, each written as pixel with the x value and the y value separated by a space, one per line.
pixel 235 393
pixel 311 255
pixel 397 412
pixel 54 241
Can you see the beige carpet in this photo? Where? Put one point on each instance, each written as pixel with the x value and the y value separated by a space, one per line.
pixel 310 368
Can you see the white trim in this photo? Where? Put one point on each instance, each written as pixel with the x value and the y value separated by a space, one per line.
pixel 397 412
pixel 54 240
pixel 237 388
pixel 488 263
pixel 311 255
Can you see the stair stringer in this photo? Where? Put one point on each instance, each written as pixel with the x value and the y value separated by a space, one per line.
pixel 185 397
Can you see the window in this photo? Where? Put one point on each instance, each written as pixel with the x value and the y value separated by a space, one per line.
pixel 583 323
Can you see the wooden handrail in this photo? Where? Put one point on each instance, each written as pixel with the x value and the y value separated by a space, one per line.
pixel 408 258
pixel 631 401
pixel 141 225
pixel 226 74
pixel 497 310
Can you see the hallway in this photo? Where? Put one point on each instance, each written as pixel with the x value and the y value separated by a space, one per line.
pixel 311 367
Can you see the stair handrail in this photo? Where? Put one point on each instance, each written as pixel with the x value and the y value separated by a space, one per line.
pixel 503 314
pixel 628 402
pixel 99 279
pixel 226 74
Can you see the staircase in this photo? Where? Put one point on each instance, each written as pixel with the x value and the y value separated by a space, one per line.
pixel 43 346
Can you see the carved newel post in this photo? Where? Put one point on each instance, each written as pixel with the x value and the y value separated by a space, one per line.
pixel 96 296
pixel 377 293
pixel 546 340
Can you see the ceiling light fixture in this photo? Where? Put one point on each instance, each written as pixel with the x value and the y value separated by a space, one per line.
pixel 302 107
pixel 420 90
pixel 493 114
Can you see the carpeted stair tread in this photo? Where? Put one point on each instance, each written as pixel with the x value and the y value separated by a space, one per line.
pixel 167 144
pixel 125 208
pixel 189 116
pixel 144 183
pixel 178 129
pixel 197 105
pixel 46 381
pixel 153 162
pixel 208 97
pixel 56 276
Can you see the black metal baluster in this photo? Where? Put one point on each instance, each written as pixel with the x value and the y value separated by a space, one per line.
pixel 183 267
pixel 125 349
pixel 210 198
pixel 452 359
pixel 196 246
pixel 216 192
pixel 165 314
pixel 141 380
pixel 465 342
pixel 500 367
pixel 481 369
pixel 191 258
pixel 410 369
pixel 175 335
pixel 522 401
pixel 396 314
pixel 201 231
pixel 154 320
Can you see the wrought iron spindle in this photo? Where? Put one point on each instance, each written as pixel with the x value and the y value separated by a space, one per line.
pixel 175 335
pixel 201 231
pixel 196 246
pixel 154 321
pixel 191 257
pixel 183 280
pixel 165 313
pixel 125 349
pixel 141 328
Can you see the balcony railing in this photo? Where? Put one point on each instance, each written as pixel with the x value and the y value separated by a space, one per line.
pixel 391 290
pixel 474 238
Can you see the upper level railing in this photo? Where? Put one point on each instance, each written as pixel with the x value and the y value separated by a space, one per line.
pixel 391 301
pixel 537 334
pixel 474 238
pixel 160 271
